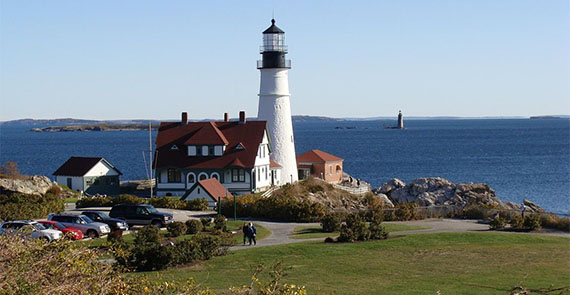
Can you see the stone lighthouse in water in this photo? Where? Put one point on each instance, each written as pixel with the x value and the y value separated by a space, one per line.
pixel 274 101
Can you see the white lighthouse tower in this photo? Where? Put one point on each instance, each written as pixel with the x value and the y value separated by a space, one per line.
pixel 274 101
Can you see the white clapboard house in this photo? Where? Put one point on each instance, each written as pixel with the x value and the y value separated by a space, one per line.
pixel 89 175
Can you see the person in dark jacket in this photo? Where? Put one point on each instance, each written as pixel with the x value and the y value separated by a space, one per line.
pixel 245 230
pixel 252 234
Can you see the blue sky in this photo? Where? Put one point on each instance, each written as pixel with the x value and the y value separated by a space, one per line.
pixel 155 59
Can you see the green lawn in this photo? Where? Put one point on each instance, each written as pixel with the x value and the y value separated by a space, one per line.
pixel 315 231
pixel 71 200
pixel 453 263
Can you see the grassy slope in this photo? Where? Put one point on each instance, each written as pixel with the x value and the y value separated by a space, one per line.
pixel 455 263
pixel 315 231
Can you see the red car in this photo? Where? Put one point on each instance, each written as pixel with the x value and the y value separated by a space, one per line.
pixel 73 233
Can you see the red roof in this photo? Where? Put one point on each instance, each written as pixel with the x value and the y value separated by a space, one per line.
pixel 214 188
pixel 79 166
pixel 249 135
pixel 273 164
pixel 314 156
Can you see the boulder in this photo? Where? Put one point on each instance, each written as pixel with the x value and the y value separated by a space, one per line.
pixel 34 185
pixel 422 185
pixel 385 201
pixel 391 185
pixel 531 207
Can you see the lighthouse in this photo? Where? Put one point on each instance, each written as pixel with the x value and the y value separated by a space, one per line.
pixel 274 101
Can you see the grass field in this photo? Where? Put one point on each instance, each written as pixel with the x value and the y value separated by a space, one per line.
pixel 315 231
pixel 70 200
pixel 453 263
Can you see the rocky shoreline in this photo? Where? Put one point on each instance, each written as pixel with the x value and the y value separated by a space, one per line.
pixel 437 191
pixel 96 127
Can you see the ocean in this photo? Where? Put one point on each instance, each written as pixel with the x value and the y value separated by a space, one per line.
pixel 518 158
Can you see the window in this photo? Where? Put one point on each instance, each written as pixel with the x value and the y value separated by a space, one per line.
pixel 258 175
pixel 173 175
pixel 69 182
pixel 174 147
pixel 215 175
pixel 330 170
pixel 191 177
pixel 191 150
pixel 204 150
pixel 266 171
pixel 203 176
pixel 159 177
pixel 198 190
pixel 238 175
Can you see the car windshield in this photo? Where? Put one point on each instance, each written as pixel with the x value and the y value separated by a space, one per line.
pixel 38 226
pixel 87 219
pixel 104 216
pixel 60 225
pixel 151 209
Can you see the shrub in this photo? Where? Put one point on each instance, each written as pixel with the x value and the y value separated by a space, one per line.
pixel 127 199
pixel 24 206
pixel 148 235
pixel 358 227
pixel 346 234
pixel 200 204
pixel 186 251
pixel 331 223
pixel 563 224
pixel 220 223
pixel 209 245
pixel 497 223
pixel 377 231
pixel 532 221
pixel 405 211
pixel 193 226
pixel 166 202
pixel 205 222
pixel 176 229
pixel 95 201
pixel 282 206
pixel 516 222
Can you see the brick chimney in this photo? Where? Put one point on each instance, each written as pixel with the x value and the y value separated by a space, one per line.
pixel 242 117
pixel 184 120
pixel 226 117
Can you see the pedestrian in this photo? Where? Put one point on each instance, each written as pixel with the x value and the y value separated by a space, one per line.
pixel 245 230
pixel 523 210
pixel 252 234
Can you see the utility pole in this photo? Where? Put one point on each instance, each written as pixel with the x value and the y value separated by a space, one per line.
pixel 150 155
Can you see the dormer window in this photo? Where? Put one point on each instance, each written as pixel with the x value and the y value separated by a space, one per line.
pixel 240 147
pixel 174 147
pixel 191 150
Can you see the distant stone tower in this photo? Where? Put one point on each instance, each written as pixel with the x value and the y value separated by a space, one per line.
pixel 400 120
pixel 274 101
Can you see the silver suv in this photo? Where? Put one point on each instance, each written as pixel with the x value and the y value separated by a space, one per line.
pixel 29 228
pixel 83 223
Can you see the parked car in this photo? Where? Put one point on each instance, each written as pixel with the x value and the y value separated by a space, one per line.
pixel 73 233
pixel 141 215
pixel 113 223
pixel 29 228
pixel 87 226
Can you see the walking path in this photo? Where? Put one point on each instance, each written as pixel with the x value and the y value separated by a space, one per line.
pixel 280 231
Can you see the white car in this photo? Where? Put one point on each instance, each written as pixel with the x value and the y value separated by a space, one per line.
pixel 30 228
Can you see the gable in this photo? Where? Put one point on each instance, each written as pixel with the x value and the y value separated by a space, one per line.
pixel 103 168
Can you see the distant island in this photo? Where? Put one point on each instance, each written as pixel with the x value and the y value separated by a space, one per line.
pixel 96 127
pixel 545 117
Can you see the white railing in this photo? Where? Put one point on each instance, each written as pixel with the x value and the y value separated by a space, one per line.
pixel 360 190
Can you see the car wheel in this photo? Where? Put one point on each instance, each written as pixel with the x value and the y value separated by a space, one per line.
pixel 92 234
pixel 157 223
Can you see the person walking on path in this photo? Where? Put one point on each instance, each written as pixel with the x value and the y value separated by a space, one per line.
pixel 252 233
pixel 245 229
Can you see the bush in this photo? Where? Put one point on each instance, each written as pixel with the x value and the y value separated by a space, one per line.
pixel 358 227
pixel 516 222
pixel 346 235
pixel 127 199
pixel 331 223
pixel 205 222
pixel 532 221
pixel 281 206
pixel 148 235
pixel 200 204
pixel 167 202
pixel 377 231
pixel 193 226
pixel 186 251
pixel 220 223
pixel 176 229
pixel 497 223
pixel 405 211
pixel 95 201
pixel 209 245
pixel 24 206
pixel 563 224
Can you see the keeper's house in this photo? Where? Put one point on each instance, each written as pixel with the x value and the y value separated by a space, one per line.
pixel 321 165
pixel 236 153
pixel 90 175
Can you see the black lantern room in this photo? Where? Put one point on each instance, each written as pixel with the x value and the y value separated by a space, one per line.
pixel 273 49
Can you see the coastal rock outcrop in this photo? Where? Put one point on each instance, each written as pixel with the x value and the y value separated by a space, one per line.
pixel 431 191
pixel 33 185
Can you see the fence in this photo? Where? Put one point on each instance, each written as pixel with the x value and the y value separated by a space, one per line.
pixel 361 190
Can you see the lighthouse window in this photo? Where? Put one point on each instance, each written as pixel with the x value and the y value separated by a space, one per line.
pixel 173 175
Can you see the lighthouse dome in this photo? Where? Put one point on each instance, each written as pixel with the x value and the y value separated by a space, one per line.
pixel 273 29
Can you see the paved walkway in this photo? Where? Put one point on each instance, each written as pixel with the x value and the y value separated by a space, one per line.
pixel 280 231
